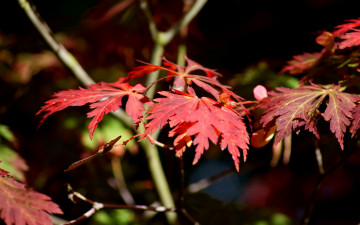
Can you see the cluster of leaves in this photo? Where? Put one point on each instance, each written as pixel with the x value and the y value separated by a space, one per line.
pixel 194 120
pixel 291 109
pixel 217 117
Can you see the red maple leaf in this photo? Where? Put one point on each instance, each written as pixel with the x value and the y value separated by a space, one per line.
pixel 350 39
pixel 201 118
pixel 291 109
pixel 103 98
pixel 356 122
pixel 349 34
pixel 185 75
pixel 22 206
pixel 343 28
pixel 302 63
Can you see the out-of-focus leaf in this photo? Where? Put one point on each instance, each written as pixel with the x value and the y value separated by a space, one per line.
pixel 110 128
pixel 13 162
pixel 118 217
pixel 21 206
pixel 6 133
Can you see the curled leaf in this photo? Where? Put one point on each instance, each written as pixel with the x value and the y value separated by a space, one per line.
pixel 102 150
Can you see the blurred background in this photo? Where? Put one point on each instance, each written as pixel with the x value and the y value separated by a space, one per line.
pixel 246 41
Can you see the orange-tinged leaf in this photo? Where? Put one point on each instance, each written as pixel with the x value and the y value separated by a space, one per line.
pixel 326 39
pixel 203 119
pixel 182 140
pixel 21 206
pixel 261 137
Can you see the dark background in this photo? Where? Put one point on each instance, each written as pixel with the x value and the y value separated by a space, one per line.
pixel 231 36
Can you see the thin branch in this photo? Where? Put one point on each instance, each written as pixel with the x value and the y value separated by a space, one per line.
pixel 189 217
pixel 202 184
pixel 180 204
pixel 120 181
pixel 96 206
pixel 319 159
pixel 182 182
pixel 144 6
pixel 184 21
pixel 65 56
pixel 323 174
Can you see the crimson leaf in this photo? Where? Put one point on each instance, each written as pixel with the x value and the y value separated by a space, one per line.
pixel 185 76
pixel 103 98
pixel 201 118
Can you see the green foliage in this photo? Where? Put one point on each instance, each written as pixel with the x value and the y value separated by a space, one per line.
pixel 117 216
pixel 11 161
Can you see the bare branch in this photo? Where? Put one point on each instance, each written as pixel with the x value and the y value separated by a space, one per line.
pixel 120 181
pixel 323 174
pixel 96 206
pixel 202 184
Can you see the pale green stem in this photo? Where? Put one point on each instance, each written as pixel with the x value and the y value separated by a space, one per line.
pixel 66 57
pixel 181 55
pixel 159 178
pixel 161 39
pixel 156 59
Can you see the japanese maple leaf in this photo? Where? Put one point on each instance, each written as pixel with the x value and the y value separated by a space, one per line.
pixel 103 98
pixel 356 122
pixel 349 33
pixel 22 206
pixel 302 63
pixel 185 75
pixel 201 118
pixel 291 109
pixel 350 39
pixel 343 28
